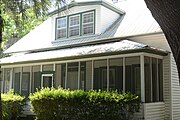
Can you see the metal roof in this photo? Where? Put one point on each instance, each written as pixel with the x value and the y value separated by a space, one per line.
pixel 124 45
pixel 137 20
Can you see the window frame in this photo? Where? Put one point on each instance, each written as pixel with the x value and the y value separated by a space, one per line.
pixel 93 22
pixel 56 31
pixel 69 26
pixel 80 24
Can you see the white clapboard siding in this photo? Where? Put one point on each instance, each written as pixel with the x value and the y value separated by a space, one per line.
pixel 167 86
pixel 154 111
pixel 175 91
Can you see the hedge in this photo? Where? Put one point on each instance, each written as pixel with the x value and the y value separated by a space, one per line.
pixel 60 104
pixel 12 105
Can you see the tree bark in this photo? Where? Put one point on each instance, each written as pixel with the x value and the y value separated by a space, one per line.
pixel 167 15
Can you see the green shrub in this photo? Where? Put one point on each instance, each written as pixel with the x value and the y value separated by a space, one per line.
pixel 12 105
pixel 60 104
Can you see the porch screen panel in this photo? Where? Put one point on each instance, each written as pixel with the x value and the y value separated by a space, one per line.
pixel 155 80
pixel 57 82
pixel 47 67
pixel 17 73
pixel 72 76
pixel 100 75
pixel 147 77
pixel 25 81
pixel 36 78
pixel 116 74
pixel 82 83
pixel 7 77
pixel 89 75
pixel 63 75
pixel 132 75
pixel 160 77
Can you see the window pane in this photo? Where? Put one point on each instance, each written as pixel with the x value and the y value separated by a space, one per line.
pixel 133 80
pixel 160 77
pixel 7 77
pixel 116 74
pixel 47 81
pixel 74 20
pixel 72 76
pixel 147 76
pixel 61 33
pixel 88 28
pixel 100 75
pixel 61 23
pixel 74 31
pixel 154 80
pixel 88 17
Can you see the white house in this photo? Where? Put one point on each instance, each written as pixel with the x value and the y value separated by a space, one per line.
pixel 95 44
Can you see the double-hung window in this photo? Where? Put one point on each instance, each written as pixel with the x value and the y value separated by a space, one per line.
pixel 74 25
pixel 88 23
pixel 61 28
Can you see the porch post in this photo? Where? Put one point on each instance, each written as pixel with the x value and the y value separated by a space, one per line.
pixel 142 78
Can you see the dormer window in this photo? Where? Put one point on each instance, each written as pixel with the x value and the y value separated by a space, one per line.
pixel 61 28
pixel 75 25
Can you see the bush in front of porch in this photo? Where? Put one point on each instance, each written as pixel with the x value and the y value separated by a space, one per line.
pixel 12 105
pixel 60 104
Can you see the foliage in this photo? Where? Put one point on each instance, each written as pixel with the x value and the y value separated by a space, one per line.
pixel 12 105
pixel 56 104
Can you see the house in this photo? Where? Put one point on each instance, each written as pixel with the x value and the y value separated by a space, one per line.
pixel 97 44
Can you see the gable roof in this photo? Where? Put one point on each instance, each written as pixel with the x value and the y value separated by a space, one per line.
pixel 137 20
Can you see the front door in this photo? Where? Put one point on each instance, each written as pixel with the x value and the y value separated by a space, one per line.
pixel 47 80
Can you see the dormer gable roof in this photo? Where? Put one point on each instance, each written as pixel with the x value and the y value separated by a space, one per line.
pixel 86 3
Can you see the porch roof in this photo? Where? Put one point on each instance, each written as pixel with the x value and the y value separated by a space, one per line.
pixel 120 47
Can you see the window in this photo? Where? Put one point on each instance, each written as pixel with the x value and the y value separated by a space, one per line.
pixel 88 23
pixel 75 25
pixel 61 28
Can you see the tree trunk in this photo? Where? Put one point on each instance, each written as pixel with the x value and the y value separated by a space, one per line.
pixel 1 29
pixel 167 14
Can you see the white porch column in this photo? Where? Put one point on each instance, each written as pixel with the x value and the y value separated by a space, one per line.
pixel 142 78
pixel 21 79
